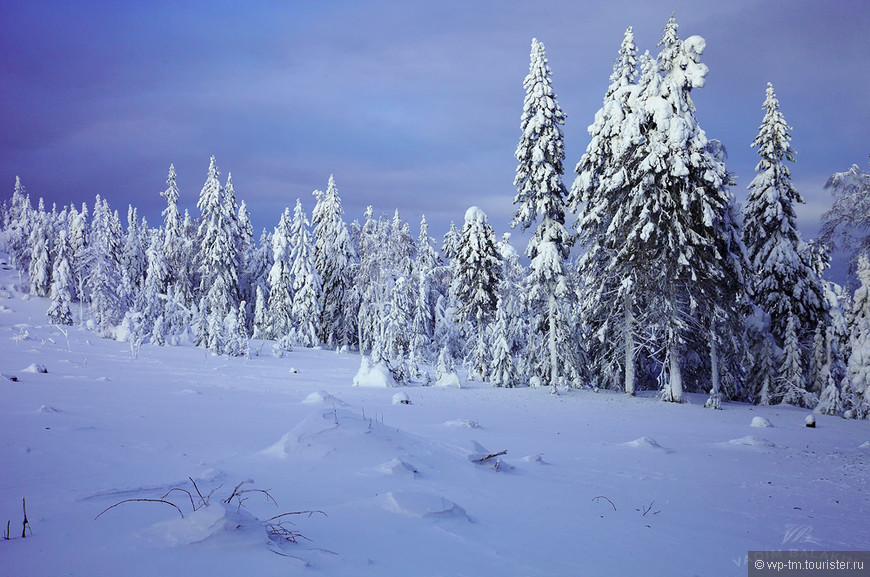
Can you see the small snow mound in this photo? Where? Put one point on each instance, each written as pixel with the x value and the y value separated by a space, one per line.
pixel 373 375
pixel 864 445
pixel 644 443
pixel 463 424
pixel 536 458
pixel 5 309
pixel 208 522
pixel 48 410
pixel 424 505
pixel 397 467
pixel 321 397
pixel 810 422
pixel 760 422
pixel 187 392
pixel 401 399
pixel 449 379
pixel 35 368
pixel 750 441
pixel 8 377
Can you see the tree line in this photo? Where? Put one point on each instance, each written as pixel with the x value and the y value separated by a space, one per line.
pixel 671 286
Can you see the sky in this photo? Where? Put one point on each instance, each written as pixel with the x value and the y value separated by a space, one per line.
pixel 412 106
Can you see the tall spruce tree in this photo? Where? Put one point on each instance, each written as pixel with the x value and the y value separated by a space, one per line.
pixel 476 275
pixel 676 249
pixel 541 198
pixel 40 253
pixel 306 284
pixel 280 310
pixel 333 255
pixel 784 282
pixel 61 285
pixel 599 193
pixel 217 258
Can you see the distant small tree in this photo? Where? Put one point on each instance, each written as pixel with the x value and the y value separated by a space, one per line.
pixel 61 286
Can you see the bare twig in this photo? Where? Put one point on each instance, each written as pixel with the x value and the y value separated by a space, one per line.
pixel 139 500
pixel 492 456
pixel 201 499
pixel 210 493
pixel 236 491
pixel 606 499
pixel 646 509
pixel 309 513
pixel 25 524
pixel 189 496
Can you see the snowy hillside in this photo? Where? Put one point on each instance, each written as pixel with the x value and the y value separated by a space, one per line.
pixel 590 484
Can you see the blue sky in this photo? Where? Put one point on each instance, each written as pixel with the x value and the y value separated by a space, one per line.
pixel 412 105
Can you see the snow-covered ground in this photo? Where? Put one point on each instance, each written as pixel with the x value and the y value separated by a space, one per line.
pixel 591 483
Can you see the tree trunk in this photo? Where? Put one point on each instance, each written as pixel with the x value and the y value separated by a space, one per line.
pixel 629 348
pixel 714 364
pixel 674 388
pixel 554 364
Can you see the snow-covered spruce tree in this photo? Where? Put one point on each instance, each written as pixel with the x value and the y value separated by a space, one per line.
pixel 306 284
pixel 396 329
pixel 858 370
pixel 848 220
pixel 20 225
pixel 502 368
pixel 425 264
pixel 512 297
pixel 541 197
pixel 176 243
pixel 280 309
pixel 369 285
pixel 819 369
pixel 149 300
pixel 240 231
pixel 333 255
pixel 476 275
pixel 78 241
pixel 762 375
pixel 260 263
pixel 101 261
pixel 261 315
pixel 451 240
pixel 133 259
pixel 40 253
pixel 831 401
pixel 599 193
pixel 236 343
pixel 791 384
pixel 247 250
pixel 401 248
pixel 425 295
pixel 61 285
pixel 217 260
pixel 676 234
pixel 784 282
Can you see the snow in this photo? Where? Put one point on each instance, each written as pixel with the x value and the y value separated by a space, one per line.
pixel 373 375
pixel 474 214
pixel 402 487
pixel 760 422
